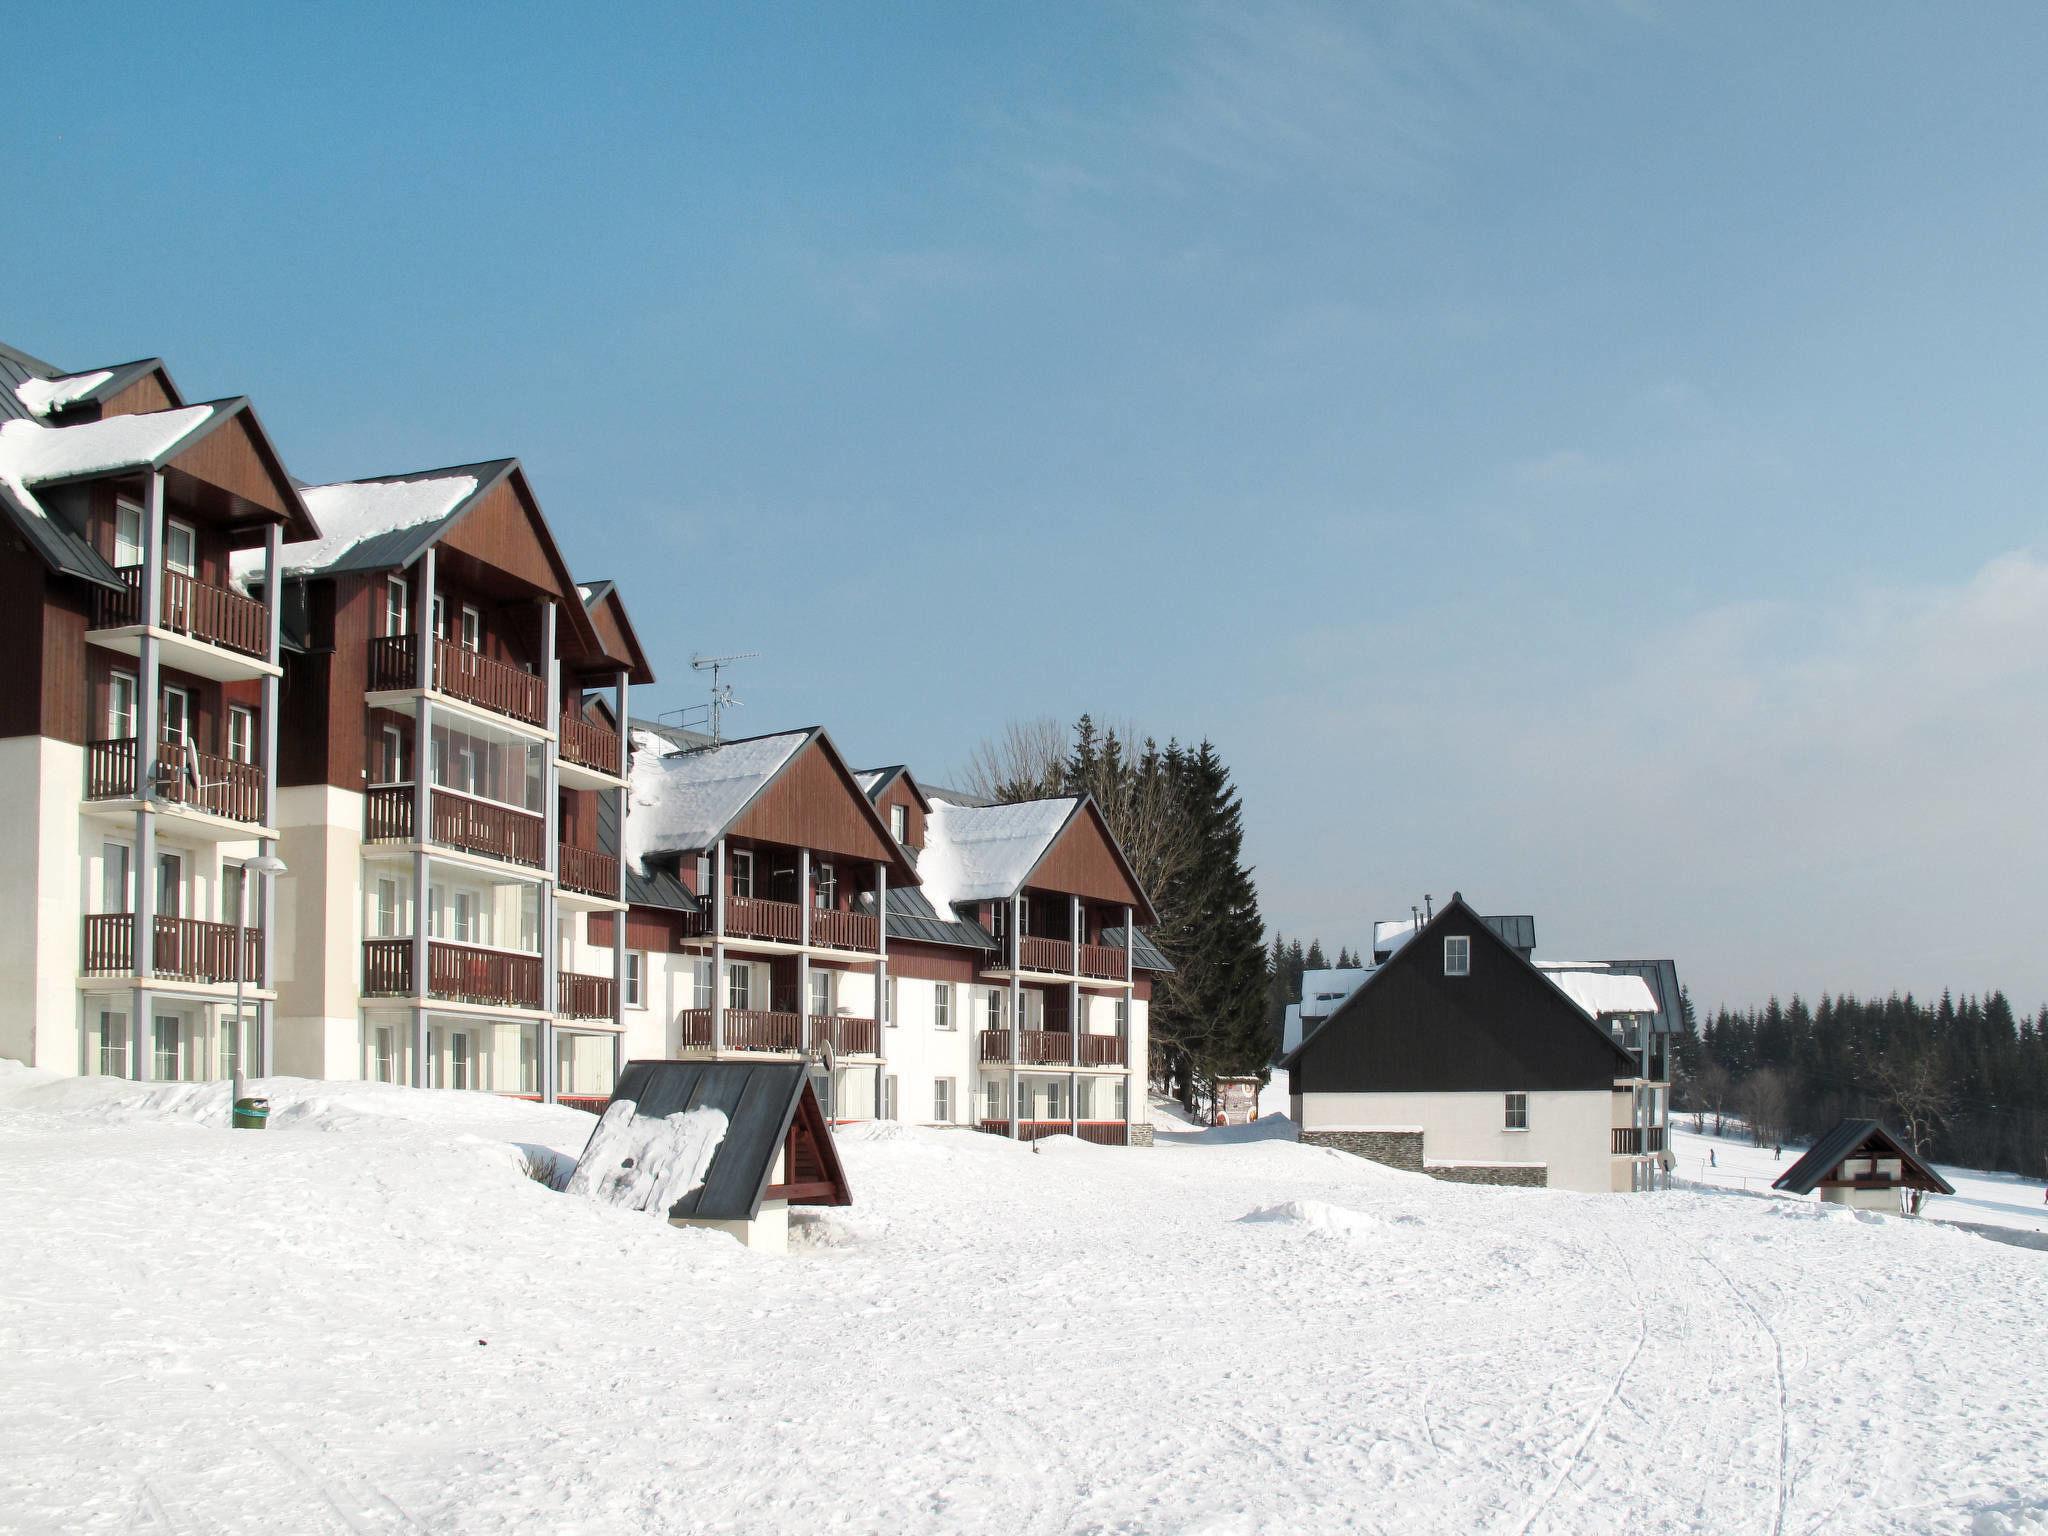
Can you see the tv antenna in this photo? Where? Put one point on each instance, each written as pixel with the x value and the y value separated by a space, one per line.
pixel 721 691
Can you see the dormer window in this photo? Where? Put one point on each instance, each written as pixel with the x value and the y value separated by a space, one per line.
pixel 899 823
pixel 1458 955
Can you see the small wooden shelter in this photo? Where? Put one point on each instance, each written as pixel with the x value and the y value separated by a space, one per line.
pixel 1860 1163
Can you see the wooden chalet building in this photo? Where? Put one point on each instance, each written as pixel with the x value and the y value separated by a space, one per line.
pixel 138 720
pixel 1861 1164
pixel 437 891
pixel 1010 971
pixel 1458 1056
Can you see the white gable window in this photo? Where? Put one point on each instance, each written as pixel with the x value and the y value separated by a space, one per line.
pixel 899 823
pixel 397 610
pixel 1457 955
pixel 1518 1112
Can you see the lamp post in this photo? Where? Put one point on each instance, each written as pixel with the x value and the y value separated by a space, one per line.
pixel 267 865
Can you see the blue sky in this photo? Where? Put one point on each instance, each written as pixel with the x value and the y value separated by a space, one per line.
pixel 1589 456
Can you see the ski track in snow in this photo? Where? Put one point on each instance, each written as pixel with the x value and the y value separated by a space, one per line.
pixel 367 1320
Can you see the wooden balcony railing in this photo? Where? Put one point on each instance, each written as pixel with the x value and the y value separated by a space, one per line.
pixel 1102 962
pixel 583 997
pixel 1102 1051
pixel 191 607
pixel 1103 1133
pixel 187 949
pixel 592 746
pixel 750 917
pixel 194 780
pixel 1633 1141
pixel 459 821
pixel 847 1036
pixel 1040 1048
pixel 1036 954
pixel 845 930
pixel 695 1026
pixel 461 674
pixel 456 973
pixel 387 967
pixel 588 871
pixel 746 1029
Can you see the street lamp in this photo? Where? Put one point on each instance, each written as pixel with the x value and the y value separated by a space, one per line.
pixel 265 864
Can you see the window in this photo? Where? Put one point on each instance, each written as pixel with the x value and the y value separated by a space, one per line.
pixel 825 886
pixel 700 994
pixel 942 1007
pixel 440 618
pixel 993 1097
pixel 472 629
pixel 1123 1018
pixel 942 1101
pixel 636 978
pixel 233 882
pixel 170 885
pixel 121 706
pixel 231 1042
pixel 433 911
pixel 889 1004
pixel 995 1008
pixel 397 613
pixel 899 823
pixel 465 918
pixel 241 733
pixel 169 1036
pixel 181 548
pixel 1457 955
pixel 114 878
pixel 112 1056
pixel 742 874
pixel 177 716
pixel 1122 1100
pixel 127 534
pixel 821 994
pixel 739 986
pixel 1053 1111
pixel 387 907
pixel 1518 1112
pixel 391 756
pixel 703 885
pixel 458 1059
pixel 889 1097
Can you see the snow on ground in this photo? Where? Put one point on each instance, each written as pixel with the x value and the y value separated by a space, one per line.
pixel 1989 1199
pixel 369 1318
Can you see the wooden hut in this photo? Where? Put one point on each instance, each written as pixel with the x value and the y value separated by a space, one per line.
pixel 1861 1164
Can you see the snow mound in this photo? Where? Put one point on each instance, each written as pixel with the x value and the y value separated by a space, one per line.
pixel 640 1163
pixel 1317 1216
pixel 876 1130
pixel 2010 1519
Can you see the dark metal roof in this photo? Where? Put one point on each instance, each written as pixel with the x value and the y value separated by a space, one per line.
pixel 912 916
pixel 397 548
pixel 1661 977
pixel 1850 1139
pixel 1517 932
pixel 658 886
pixel 16 368
pixel 676 735
pixel 956 796
pixel 1148 956
pixel 63 548
pixel 759 1099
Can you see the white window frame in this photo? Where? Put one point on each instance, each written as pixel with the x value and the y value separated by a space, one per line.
pixel 466 918
pixel 183 732
pixel 942 1100
pixel 397 606
pixel 899 823
pixel 173 527
pixel 942 1005
pixel 889 1096
pixel 386 915
pixel 124 891
pixel 636 977
pixel 998 1006
pixel 461 1060
pixel 739 987
pixel 703 977
pixel 170 882
pixel 1515 1108
pixel 1457 954
pixel 824 886
pixel 391 755
pixel 824 998
pixel 472 630
pixel 113 1054
pixel 120 720
pixel 241 734
pixel 440 617
pixel 992 1099
pixel 740 873
pixel 889 1004
pixel 127 513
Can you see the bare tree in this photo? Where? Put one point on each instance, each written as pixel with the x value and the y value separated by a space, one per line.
pixel 1027 761
pixel 1915 1085
pixel 1766 1096
pixel 1715 1088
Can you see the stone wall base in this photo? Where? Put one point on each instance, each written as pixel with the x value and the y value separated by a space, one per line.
pixel 1397 1149
pixel 1141 1135
pixel 1520 1178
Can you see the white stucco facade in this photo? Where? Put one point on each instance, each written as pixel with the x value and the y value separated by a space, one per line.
pixel 1569 1134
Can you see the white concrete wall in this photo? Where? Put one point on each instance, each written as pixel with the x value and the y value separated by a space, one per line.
pixel 319 944
pixel 40 933
pixel 919 1053
pixel 1568 1132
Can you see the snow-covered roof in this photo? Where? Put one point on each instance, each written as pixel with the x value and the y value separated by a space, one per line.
pixel 355 511
pixel 1599 992
pixel 1389 934
pixel 32 454
pixel 1323 990
pixel 42 396
pixel 867 779
pixel 680 801
pixel 978 853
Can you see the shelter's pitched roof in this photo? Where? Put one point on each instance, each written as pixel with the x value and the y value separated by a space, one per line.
pixel 875 782
pixel 601 598
pixel 762 1102
pixel 978 853
pixel 33 389
pixel 1600 992
pixel 1853 1138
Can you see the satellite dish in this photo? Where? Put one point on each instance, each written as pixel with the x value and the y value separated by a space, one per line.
pixel 828 1057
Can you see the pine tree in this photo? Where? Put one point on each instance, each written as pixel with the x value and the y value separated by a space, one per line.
pixel 1316 962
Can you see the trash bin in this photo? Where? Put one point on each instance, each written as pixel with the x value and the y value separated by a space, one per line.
pixel 251 1114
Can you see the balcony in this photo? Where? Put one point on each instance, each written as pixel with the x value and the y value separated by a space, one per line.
pixel 593 748
pixel 588 872
pixel 186 779
pixel 750 917
pixel 1635 1141
pixel 844 930
pixel 456 973
pixel 459 821
pixel 846 1036
pixel 1102 962
pixel 225 630
pixel 746 1029
pixel 462 675
pixel 1102 1051
pixel 186 949
pixel 1103 1133
pixel 1055 956
pixel 584 997
pixel 1038 1048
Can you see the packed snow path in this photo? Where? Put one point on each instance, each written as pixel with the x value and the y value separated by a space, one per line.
pixel 370 1319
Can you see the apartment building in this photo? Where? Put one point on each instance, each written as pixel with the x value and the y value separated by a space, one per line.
pixel 1004 986
pixel 451 703
pixel 138 721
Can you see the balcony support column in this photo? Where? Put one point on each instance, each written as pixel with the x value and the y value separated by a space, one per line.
pixel 803 958
pixel 551 851
pixel 148 731
pixel 422 804
pixel 885 1013
pixel 1016 938
pixel 1132 1081
pixel 718 949
pixel 266 906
